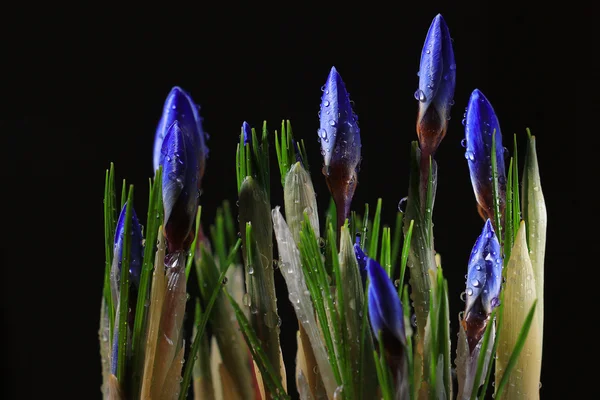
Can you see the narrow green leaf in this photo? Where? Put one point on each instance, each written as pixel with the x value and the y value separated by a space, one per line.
pixel 444 337
pixel 509 232
pixel 269 374
pixel 365 228
pixel 396 241
pixel 405 253
pixel 516 351
pixel 318 286
pixel 516 201
pixel 108 248
pixel 124 290
pixel 190 259
pixel 409 347
pixel 187 375
pixel 495 191
pixel 374 239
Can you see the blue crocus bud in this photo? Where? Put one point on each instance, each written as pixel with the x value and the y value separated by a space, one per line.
pixel 180 107
pixel 361 258
pixel 385 308
pixel 181 174
pixel 137 249
pixel 484 281
pixel 480 123
pixel 247 131
pixel 437 80
pixel 340 143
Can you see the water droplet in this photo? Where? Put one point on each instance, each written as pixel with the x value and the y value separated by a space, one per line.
pixel 420 95
pixel 323 133
pixel 469 291
pixel 413 320
pixel 321 242
pixel 464 121
pixel 418 73
pixel 397 282
pixel 476 282
pixel 463 143
pixel 331 122
pixel 315 369
pixel 246 300
pixel 402 204
pixel 452 102
pixel 428 51
pixel 294 298
pixel 495 302
pixel 250 269
pixel 254 310
pixel 469 155
pixel 540 385
pixel 463 296
pixel 326 103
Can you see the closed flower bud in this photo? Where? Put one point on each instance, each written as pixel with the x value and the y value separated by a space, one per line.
pixel 480 124
pixel 180 107
pixel 437 80
pixel 340 143
pixel 180 186
pixel 484 281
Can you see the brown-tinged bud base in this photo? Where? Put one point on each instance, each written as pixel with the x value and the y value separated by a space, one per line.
pixel 342 184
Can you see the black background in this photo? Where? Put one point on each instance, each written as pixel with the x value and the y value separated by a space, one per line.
pixel 82 88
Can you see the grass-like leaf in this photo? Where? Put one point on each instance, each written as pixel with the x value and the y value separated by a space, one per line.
pixel 190 259
pixel 269 375
pixel 187 375
pixel 154 219
pixel 404 256
pixel 385 259
pixel 373 240
pixel 318 286
pixel 109 237
pixel 365 229
pixel 509 233
pixel 286 151
pixel 514 356
pixel 396 240
pixel 409 345
pixel 124 291
pixel 496 191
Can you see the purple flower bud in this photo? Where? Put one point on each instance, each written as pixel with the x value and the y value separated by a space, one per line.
pixel 385 308
pixel 437 80
pixel 484 282
pixel 180 107
pixel 340 143
pixel 361 258
pixel 137 249
pixel 247 131
pixel 180 186
pixel 480 123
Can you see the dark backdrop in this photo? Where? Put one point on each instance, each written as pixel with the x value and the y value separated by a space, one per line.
pixel 84 88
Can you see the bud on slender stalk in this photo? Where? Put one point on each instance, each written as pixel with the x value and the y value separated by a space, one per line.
pixel 437 80
pixel 387 320
pixel 484 281
pixel 179 106
pixel 480 124
pixel 181 179
pixel 340 143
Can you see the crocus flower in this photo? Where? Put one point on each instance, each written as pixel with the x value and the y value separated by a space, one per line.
pixel 484 281
pixel 180 107
pixel 437 80
pixel 361 258
pixel 181 175
pixel 340 143
pixel 136 251
pixel 480 123
pixel 247 131
pixel 385 308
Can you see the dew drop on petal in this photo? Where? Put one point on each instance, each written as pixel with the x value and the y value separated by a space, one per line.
pixel 463 143
pixel 470 291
